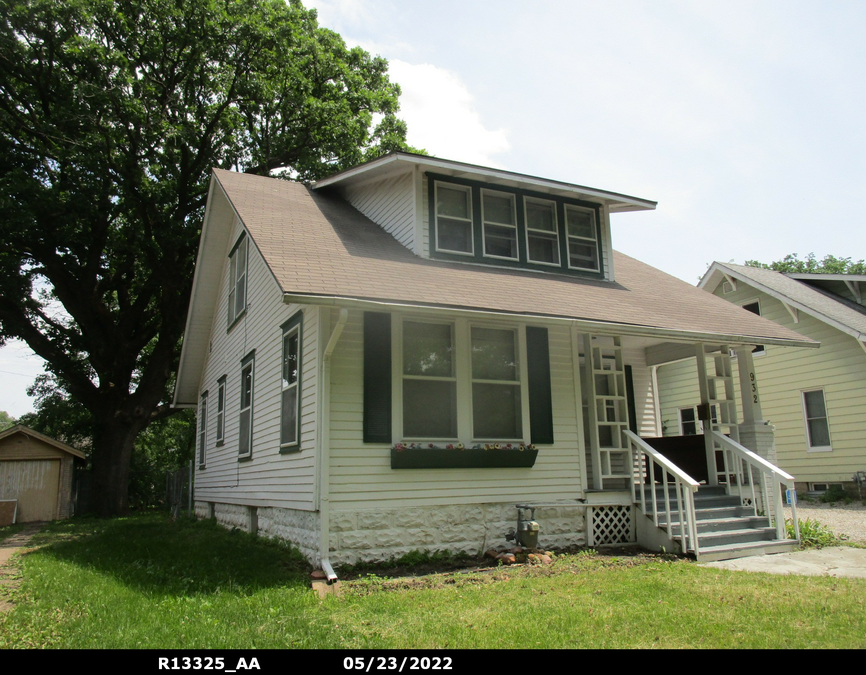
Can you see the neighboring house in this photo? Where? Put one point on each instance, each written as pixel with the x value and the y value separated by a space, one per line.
pixel 816 399
pixel 36 476
pixel 414 300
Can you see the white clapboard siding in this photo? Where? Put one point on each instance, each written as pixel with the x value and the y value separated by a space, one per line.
pixel 389 203
pixel 267 478
pixel 838 366
pixel 361 474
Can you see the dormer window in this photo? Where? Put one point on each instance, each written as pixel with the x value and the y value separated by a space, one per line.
pixel 542 233
pixel 582 238
pixel 513 227
pixel 454 219
pixel 500 225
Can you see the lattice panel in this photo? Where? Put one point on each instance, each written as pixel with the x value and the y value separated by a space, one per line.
pixel 612 525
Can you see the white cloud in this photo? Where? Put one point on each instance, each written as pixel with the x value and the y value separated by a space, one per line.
pixel 440 113
pixel 19 367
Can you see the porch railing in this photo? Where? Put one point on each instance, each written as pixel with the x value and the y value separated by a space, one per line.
pixel 741 464
pixel 649 463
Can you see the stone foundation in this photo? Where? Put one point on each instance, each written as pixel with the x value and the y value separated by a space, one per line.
pixel 301 528
pixel 382 534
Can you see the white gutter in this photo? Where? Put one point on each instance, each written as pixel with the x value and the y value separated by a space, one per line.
pixel 325 446
pixel 584 325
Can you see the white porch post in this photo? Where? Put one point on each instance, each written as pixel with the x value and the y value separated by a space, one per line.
pixel 755 433
pixel 703 384
pixel 589 391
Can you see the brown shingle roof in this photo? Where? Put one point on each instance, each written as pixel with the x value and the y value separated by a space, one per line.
pixel 317 244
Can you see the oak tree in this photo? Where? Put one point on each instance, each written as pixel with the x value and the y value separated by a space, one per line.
pixel 112 114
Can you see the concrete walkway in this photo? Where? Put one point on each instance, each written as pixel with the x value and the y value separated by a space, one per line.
pixel 835 561
pixel 8 569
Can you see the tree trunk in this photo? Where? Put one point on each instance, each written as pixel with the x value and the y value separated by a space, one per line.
pixel 112 452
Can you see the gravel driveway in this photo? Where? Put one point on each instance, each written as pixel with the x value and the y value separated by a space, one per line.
pixel 848 519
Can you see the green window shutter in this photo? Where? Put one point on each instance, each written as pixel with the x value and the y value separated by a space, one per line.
pixel 540 399
pixel 377 377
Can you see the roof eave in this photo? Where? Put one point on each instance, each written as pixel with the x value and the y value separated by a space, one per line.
pixel 706 284
pixel 617 202
pixel 587 325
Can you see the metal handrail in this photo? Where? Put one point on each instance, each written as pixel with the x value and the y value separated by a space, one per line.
pixel 684 485
pixel 777 477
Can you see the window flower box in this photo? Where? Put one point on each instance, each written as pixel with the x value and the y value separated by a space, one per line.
pixel 457 456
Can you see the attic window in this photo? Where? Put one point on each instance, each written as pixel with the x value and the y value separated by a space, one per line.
pixel 512 227
pixel 454 219
pixel 237 301
pixel 582 238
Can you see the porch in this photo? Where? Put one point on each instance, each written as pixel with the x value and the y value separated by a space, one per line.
pixel 713 491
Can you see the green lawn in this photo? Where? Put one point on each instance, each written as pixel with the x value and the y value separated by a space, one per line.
pixel 147 582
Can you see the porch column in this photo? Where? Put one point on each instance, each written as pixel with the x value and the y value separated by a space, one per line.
pixel 755 433
pixel 703 384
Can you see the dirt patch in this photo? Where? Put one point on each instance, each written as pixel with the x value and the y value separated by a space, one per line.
pixel 443 572
pixel 10 575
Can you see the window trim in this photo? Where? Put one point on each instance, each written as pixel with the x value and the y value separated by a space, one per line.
pixel 248 361
pixel 484 223
pixel 461 330
pixel 434 220
pixel 221 411
pixel 597 240
pixel 235 278
pixel 520 195
pixel 202 431
pixel 527 229
pixel 826 418
pixel 294 325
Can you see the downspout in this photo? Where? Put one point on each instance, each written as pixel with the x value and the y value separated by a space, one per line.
pixel 325 447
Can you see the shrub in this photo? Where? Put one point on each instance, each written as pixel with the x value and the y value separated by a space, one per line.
pixel 814 534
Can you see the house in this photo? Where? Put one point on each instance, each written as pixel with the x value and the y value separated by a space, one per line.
pixel 816 399
pixel 394 357
pixel 36 476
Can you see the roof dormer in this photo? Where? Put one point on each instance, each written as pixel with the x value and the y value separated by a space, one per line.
pixel 447 210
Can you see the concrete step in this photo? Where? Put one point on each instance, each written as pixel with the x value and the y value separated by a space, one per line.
pixel 736 536
pixel 724 523
pixel 731 551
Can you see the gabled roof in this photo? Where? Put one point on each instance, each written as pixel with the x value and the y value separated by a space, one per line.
pixel 397 162
pixel 793 291
pixel 27 431
pixel 321 250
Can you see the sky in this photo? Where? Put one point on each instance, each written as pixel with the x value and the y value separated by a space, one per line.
pixel 743 120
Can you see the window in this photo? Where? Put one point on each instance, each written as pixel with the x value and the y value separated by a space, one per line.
pixel 237 301
pixel 688 422
pixel 690 425
pixel 429 381
pixel 290 384
pixel 452 367
pixel 496 402
pixel 542 233
pixel 202 430
pixel 454 219
pixel 221 410
pixel 499 225
pixel 512 227
pixel 817 426
pixel 582 238
pixel 245 436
